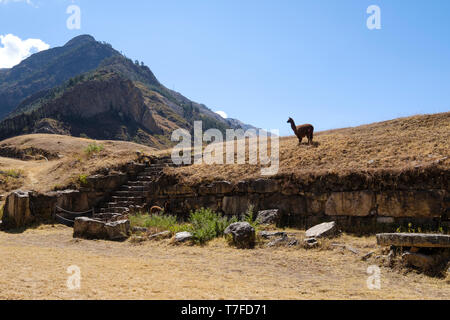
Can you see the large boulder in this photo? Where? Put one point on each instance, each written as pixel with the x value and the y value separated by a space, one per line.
pixel 268 216
pixel 243 234
pixel 88 228
pixel 17 212
pixel 118 230
pixel 324 230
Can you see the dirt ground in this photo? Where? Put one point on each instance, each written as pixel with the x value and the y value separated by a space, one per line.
pixel 34 266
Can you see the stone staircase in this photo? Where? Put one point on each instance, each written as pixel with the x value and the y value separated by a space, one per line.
pixel 131 197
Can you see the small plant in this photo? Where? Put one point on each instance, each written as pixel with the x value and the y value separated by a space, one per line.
pixel 83 179
pixel 158 222
pixel 249 216
pixel 94 148
pixel 13 173
pixel 207 225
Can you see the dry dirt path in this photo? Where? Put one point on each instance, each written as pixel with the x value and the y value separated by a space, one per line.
pixel 34 266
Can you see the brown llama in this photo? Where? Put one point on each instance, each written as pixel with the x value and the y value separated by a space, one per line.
pixel 302 131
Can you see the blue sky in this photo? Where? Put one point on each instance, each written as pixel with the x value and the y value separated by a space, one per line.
pixel 265 61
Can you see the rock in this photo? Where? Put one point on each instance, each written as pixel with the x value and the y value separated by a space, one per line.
pixel 17 212
pixel 358 203
pixel 88 228
pixel 118 230
pixel 263 186
pixel 235 205
pixel 367 256
pixel 311 242
pixel 425 204
pixel 107 216
pixel 139 229
pixel 243 234
pixel 268 216
pixel 219 187
pixel 273 234
pixel 418 260
pixel 160 235
pixel 385 220
pixel 183 236
pixel 277 242
pixel 106 182
pixel 324 230
pixel 419 240
pixel 293 242
pixel 347 247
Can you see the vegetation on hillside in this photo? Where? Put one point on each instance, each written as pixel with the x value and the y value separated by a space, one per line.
pixel 204 224
pixel 418 142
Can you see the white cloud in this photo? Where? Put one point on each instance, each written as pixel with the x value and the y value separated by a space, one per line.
pixel 13 49
pixel 222 114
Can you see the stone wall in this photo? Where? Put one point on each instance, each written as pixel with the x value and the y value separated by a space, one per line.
pixel 24 208
pixel 359 203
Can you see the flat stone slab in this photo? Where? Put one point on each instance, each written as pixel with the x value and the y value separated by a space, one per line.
pixel 418 240
pixel 324 230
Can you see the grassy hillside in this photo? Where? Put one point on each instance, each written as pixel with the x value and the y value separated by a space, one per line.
pixel 396 145
pixel 399 144
pixel 71 162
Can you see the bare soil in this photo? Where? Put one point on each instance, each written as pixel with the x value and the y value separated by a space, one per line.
pixel 34 266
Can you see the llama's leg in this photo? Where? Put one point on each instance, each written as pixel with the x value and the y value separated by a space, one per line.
pixel 300 141
pixel 311 138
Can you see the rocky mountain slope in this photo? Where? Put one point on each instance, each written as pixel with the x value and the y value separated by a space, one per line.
pixel 88 89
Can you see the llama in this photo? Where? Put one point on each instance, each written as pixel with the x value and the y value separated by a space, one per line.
pixel 302 131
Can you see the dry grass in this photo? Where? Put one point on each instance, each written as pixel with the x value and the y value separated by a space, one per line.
pixel 37 261
pixel 391 145
pixel 74 161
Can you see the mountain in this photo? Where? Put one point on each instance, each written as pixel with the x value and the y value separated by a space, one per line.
pixel 87 88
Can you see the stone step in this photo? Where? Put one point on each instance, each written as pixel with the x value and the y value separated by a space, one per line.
pixel 113 209
pixel 146 178
pixel 129 199
pixel 120 204
pixel 138 183
pixel 132 188
pixel 128 193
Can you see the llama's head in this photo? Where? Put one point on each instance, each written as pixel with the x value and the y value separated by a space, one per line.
pixel 290 120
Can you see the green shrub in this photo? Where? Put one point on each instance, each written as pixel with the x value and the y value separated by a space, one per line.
pixel 160 222
pixel 83 179
pixel 94 148
pixel 13 173
pixel 249 217
pixel 207 225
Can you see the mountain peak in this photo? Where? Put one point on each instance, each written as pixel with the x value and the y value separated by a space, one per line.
pixel 85 38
